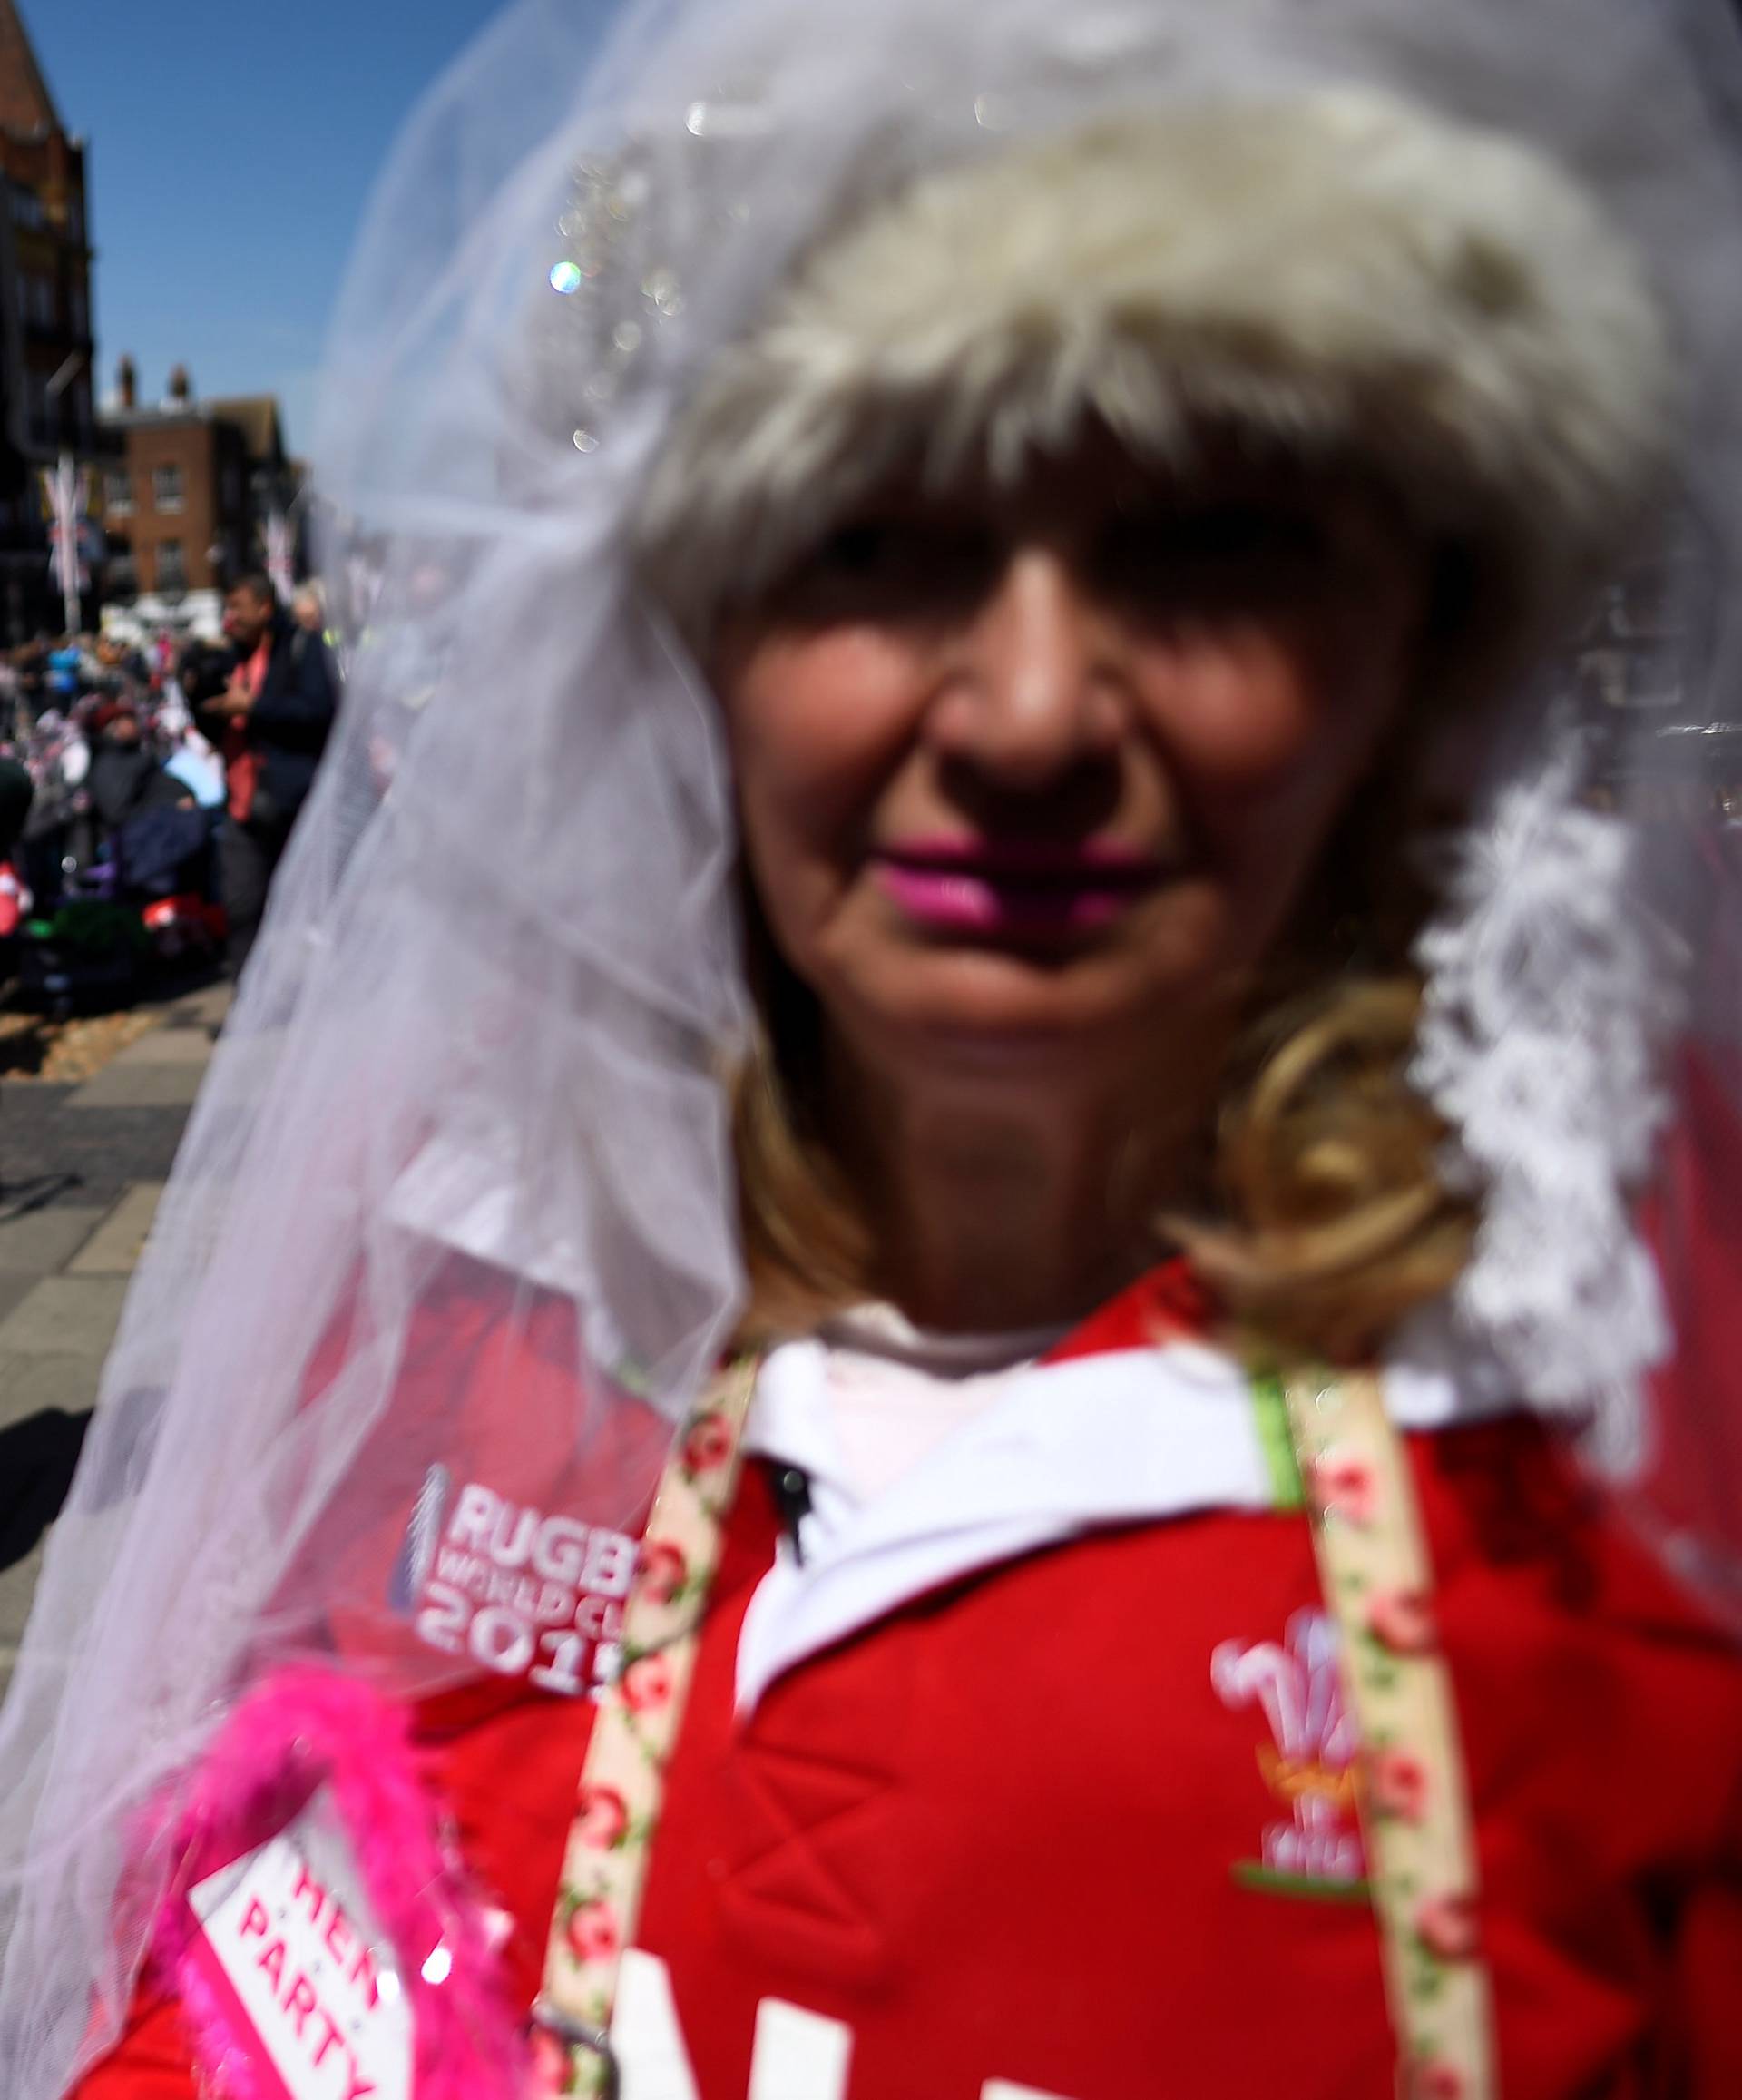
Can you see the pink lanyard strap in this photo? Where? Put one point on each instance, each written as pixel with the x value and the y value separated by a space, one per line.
pixel 1376 1578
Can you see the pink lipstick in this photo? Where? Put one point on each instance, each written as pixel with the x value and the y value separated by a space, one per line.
pixel 1015 890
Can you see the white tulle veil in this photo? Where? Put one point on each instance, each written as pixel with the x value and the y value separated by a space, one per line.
pixel 498 984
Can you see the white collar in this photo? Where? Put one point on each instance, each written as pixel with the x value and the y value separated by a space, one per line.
pixel 1127 1436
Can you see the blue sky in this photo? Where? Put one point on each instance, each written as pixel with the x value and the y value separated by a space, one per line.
pixel 232 148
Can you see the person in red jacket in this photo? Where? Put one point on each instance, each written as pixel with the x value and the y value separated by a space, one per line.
pixel 913 1433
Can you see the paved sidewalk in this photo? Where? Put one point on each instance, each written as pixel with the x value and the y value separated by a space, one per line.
pixel 80 1171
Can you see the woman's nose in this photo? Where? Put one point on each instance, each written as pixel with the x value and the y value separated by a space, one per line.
pixel 1033 686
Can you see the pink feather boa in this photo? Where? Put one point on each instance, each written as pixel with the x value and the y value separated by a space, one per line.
pixel 298 1729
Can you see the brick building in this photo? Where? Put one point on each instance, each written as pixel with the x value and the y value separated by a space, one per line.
pixel 187 488
pixel 45 337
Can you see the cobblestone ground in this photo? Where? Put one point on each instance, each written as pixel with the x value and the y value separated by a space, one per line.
pixel 82 1165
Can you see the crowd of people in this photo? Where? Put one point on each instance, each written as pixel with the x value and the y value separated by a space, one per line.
pixel 150 789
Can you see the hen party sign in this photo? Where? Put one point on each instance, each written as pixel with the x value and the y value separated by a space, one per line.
pixel 302 1977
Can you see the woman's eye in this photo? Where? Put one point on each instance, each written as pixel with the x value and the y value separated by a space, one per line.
pixel 892 568
pixel 865 548
pixel 1223 554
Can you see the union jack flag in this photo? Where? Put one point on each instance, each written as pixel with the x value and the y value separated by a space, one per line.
pixel 66 501
pixel 280 554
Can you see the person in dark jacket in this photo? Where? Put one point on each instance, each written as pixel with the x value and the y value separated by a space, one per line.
pixel 122 767
pixel 272 720
pixel 17 790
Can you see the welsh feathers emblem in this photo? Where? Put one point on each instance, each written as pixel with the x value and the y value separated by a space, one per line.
pixel 1312 1847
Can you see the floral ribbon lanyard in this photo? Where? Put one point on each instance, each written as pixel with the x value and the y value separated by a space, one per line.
pixel 1373 1567
pixel 622 1781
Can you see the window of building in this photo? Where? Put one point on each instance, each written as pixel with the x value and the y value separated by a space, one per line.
pixel 36 296
pixel 166 489
pixel 26 208
pixel 118 492
pixel 78 306
pixel 171 570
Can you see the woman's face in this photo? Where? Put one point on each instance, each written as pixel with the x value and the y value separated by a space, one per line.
pixel 1029 779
